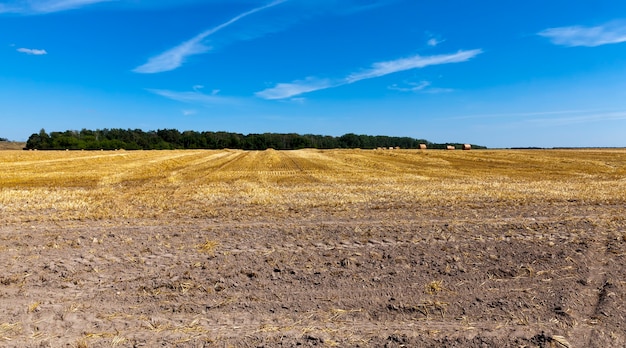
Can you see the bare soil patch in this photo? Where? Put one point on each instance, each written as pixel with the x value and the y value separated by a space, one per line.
pixel 464 281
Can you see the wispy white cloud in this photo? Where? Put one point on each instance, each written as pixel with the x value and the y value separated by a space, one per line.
pixel 298 100
pixel 432 39
pixel 551 117
pixel 610 33
pixel 437 90
pixel 62 5
pixel 287 90
pixel 433 42
pixel 175 57
pixel 310 84
pixel 194 97
pixel 198 88
pixel 421 87
pixel 348 7
pixel 31 51
pixel 5 8
pixel 412 87
pixel 45 6
pixel 189 112
pixel 524 115
pixel 589 117
pixel 414 62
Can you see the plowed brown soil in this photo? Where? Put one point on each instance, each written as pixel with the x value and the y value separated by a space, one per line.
pixel 313 248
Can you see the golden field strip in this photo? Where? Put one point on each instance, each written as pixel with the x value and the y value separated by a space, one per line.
pixel 57 186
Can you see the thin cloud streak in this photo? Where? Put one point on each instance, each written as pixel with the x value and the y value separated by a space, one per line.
pixel 32 52
pixel 175 57
pixel 8 9
pixel 194 97
pixel 422 87
pixel 433 42
pixel 413 87
pixel 588 118
pixel 573 36
pixel 311 84
pixel 287 90
pixel 531 114
pixel 47 6
pixel 415 62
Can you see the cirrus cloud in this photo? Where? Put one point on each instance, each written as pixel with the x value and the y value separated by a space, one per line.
pixel 193 97
pixel 311 84
pixel 572 36
pixel 175 57
pixel 287 90
pixel 45 6
pixel 32 51
pixel 414 62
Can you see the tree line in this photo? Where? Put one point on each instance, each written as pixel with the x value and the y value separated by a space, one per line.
pixel 171 139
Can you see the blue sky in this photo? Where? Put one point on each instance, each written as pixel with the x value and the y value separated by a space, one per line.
pixel 496 73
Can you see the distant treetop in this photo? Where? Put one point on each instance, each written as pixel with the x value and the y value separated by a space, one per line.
pixel 162 139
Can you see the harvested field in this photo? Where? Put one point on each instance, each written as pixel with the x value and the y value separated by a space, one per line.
pixel 10 145
pixel 347 248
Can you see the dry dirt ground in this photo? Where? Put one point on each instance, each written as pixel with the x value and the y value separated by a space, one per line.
pixel 507 273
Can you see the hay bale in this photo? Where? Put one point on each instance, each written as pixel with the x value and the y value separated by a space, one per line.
pixel 423 147
pixel 450 147
pixel 467 147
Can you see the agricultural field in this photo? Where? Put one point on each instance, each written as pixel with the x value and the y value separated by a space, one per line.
pixel 346 248
pixel 10 145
